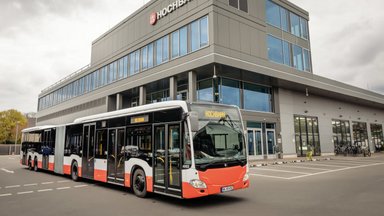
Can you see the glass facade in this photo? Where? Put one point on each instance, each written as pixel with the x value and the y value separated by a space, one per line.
pixel 286 20
pixel 168 47
pixel 341 135
pixel 283 52
pixel 245 95
pixel 360 134
pixel 377 137
pixel 306 135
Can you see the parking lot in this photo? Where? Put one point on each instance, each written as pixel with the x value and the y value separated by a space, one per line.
pixel 340 186
pixel 303 169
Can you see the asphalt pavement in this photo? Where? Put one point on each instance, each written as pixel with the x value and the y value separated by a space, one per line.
pixel 341 186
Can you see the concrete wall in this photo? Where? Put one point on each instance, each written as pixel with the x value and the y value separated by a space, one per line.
pixel 325 109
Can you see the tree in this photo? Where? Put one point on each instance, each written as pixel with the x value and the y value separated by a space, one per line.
pixel 8 121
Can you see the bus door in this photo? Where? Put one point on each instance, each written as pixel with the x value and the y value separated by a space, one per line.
pixel 45 149
pixel 116 155
pixel 167 158
pixel 88 150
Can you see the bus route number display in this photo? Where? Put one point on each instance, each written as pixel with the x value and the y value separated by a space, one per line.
pixel 139 119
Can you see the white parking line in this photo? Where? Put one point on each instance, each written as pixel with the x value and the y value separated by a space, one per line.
pixel 63 188
pixel 12 186
pixel 44 190
pixel 285 171
pixel 268 176
pixel 79 186
pixel 62 181
pixel 32 184
pixel 7 194
pixel 351 162
pixel 326 165
pixel 25 192
pixel 7 171
pixel 337 170
pixel 311 168
pixel 45 183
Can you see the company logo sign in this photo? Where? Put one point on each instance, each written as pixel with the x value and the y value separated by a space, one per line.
pixel 156 16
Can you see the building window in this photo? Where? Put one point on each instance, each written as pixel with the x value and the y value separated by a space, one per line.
pixel 144 58
pixel 286 20
pixel 230 92
pixel 360 134
pixel 307 60
pixel 159 96
pixel 203 31
pixel 287 53
pixel 377 137
pixel 162 50
pixel 183 41
pixel 239 4
pixel 257 98
pixel 195 36
pixel 205 90
pixel 307 135
pixel 150 55
pixel 275 50
pixel 297 57
pixel 273 14
pixel 295 24
pixel 175 44
pixel 341 135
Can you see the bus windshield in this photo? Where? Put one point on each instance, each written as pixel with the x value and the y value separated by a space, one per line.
pixel 219 139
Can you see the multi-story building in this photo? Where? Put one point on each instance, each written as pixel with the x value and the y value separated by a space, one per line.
pixel 253 54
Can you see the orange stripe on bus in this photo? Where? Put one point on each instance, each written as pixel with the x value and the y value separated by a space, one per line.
pixel 39 164
pixel 127 180
pixel 67 169
pixel 100 175
pixel 149 184
pixel 51 166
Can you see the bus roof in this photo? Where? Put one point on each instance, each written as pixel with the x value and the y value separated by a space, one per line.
pixel 135 111
pixel 38 128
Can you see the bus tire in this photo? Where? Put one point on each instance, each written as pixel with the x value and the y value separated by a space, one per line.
pixel 139 183
pixel 30 163
pixel 74 171
pixel 35 165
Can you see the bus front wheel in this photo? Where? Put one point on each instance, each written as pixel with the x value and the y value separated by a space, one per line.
pixel 139 184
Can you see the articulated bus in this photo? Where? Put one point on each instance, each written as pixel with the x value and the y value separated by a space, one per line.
pixel 175 148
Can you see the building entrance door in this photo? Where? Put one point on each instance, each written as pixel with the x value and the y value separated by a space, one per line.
pixel 255 143
pixel 271 143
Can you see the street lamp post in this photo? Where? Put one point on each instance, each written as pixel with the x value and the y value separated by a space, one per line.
pixel 17 133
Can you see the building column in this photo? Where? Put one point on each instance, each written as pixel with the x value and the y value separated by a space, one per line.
pixel 142 95
pixel 173 88
pixel 119 101
pixel 192 86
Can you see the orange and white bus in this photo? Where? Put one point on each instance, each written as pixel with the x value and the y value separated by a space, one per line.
pixel 180 149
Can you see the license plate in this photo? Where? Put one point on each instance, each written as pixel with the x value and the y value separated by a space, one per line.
pixel 226 189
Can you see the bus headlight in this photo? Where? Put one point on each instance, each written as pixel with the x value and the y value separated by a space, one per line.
pixel 246 177
pixel 197 184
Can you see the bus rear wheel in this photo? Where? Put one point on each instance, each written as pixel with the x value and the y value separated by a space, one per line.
pixel 30 164
pixel 35 166
pixel 74 171
pixel 139 183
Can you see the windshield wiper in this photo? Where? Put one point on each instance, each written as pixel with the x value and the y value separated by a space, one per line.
pixel 229 121
pixel 205 166
pixel 242 162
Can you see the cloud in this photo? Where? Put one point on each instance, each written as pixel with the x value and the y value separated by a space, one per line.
pixel 346 41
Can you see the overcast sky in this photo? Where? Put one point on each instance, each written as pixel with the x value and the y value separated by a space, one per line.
pixel 42 41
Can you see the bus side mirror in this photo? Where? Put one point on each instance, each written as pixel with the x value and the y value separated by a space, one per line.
pixel 194 119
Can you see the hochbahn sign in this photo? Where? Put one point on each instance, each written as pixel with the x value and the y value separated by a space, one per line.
pixel 156 16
